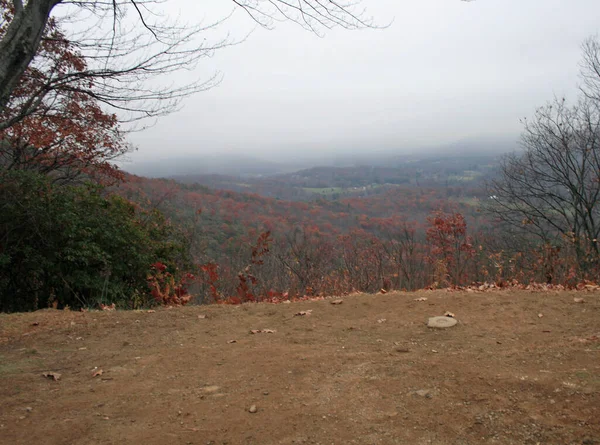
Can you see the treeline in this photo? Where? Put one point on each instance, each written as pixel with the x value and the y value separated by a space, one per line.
pixel 77 246
pixel 397 255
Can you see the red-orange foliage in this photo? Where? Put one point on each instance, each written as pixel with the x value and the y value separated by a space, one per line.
pixel 165 289
pixel 211 273
pixel 450 243
pixel 53 124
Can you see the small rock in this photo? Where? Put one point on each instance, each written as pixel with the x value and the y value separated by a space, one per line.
pixel 441 322
pixel 266 393
pixel 424 393
pixel 252 409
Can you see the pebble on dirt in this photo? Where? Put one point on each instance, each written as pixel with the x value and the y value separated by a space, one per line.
pixel 252 409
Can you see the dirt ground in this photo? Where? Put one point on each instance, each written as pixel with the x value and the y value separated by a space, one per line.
pixel 519 368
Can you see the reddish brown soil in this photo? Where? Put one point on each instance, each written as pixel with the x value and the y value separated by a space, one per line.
pixel 367 371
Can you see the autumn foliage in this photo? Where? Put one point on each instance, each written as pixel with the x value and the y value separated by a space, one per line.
pixel 166 289
pixel 53 124
pixel 451 247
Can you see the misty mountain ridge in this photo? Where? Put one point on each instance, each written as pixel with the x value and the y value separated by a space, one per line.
pixel 244 166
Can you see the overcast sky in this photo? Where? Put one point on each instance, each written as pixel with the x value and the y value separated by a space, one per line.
pixel 444 71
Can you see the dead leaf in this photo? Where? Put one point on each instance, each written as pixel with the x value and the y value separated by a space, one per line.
pixel 105 307
pixel 35 323
pixel 232 341
pixel 201 316
pixel 255 331
pixel 52 375
pixel 421 299
pixel 540 315
pixel 97 373
pixel 383 291
pixel 268 331
pixel 449 314
pixel 337 301
pixel 151 311
pixel 578 300
pixel 381 320
pixel 302 313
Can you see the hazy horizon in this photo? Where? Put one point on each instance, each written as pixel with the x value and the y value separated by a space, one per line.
pixel 445 71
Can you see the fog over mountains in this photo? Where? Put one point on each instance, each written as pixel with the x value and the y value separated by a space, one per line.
pixel 289 160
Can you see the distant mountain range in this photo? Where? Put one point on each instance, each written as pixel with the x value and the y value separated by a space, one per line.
pixel 244 166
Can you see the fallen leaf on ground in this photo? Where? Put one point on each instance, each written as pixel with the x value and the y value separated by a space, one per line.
pixel 35 323
pixel 578 300
pixel 151 311
pixel 263 331
pixel 97 373
pixel 540 315
pixel 383 291
pixel 302 313
pixel 105 307
pixel 52 375
pixel 449 314
pixel 421 299
pixel 337 301
pixel 202 316
pixel 232 341
pixel 381 320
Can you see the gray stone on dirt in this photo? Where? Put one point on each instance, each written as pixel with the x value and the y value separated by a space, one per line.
pixel 441 322
pixel 426 393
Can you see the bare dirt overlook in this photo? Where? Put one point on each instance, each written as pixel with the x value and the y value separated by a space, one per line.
pixel 519 367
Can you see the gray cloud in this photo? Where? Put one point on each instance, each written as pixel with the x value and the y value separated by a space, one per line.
pixel 445 70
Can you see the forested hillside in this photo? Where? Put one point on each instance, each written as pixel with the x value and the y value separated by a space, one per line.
pixel 382 236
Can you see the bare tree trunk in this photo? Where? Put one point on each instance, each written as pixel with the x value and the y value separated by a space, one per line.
pixel 20 43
